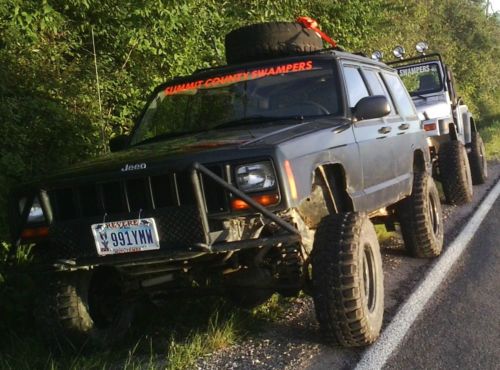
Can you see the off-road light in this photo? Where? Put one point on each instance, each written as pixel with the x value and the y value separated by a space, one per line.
pixel 422 47
pixel 377 55
pixel 36 212
pixel 398 52
pixel 255 176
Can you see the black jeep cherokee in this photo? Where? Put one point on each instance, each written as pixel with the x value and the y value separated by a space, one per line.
pixel 247 179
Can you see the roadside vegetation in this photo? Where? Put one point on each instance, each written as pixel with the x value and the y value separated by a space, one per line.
pixel 490 132
pixel 55 110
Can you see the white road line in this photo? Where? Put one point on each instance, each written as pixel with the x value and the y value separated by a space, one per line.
pixel 376 356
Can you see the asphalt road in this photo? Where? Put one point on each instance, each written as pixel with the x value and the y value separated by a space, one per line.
pixel 460 329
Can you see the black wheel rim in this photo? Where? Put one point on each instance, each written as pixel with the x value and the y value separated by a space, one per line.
pixel 369 278
pixel 467 170
pixel 484 163
pixel 433 215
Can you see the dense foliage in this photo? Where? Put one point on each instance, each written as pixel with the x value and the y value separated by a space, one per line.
pixel 53 111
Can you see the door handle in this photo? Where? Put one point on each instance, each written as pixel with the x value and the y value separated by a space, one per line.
pixel 404 126
pixel 385 129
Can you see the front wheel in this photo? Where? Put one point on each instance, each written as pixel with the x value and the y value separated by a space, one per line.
pixel 420 218
pixel 84 308
pixel 347 277
pixel 477 160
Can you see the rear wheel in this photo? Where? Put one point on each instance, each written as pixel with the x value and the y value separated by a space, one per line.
pixel 454 173
pixel 477 160
pixel 348 287
pixel 420 217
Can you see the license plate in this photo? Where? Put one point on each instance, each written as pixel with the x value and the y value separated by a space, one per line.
pixel 125 236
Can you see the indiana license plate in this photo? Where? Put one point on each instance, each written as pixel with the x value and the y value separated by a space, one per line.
pixel 125 236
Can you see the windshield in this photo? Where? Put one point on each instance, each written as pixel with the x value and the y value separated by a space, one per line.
pixel 421 79
pixel 241 98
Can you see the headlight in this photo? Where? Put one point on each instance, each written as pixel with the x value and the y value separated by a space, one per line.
pixel 36 212
pixel 255 177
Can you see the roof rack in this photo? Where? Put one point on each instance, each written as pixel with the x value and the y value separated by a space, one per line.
pixel 420 58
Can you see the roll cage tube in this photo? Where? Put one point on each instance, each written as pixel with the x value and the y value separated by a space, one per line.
pixel 423 59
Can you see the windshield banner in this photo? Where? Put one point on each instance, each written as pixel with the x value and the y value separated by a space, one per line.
pixel 414 70
pixel 218 81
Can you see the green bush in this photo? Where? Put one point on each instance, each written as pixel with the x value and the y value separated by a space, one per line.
pixel 50 111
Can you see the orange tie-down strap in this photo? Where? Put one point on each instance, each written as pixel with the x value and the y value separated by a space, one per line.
pixel 311 24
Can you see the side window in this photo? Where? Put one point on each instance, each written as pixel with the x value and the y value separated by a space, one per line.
pixel 377 87
pixel 400 95
pixel 356 88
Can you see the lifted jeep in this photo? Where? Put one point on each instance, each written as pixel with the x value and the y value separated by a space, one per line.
pixel 457 150
pixel 247 179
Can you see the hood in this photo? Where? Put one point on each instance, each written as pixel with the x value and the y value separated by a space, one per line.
pixel 434 106
pixel 215 145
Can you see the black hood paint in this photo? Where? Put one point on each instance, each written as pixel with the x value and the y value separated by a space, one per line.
pixel 215 145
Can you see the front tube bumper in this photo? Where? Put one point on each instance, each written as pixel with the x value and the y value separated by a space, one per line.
pixel 292 234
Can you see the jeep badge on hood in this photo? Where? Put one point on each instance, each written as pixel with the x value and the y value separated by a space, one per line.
pixel 134 167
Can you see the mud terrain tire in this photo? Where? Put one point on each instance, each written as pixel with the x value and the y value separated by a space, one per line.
pixel 420 218
pixel 348 287
pixel 64 313
pixel 269 40
pixel 477 160
pixel 455 173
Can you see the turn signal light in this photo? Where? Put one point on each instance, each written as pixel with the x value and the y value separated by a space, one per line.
pixel 430 126
pixel 264 200
pixel 35 233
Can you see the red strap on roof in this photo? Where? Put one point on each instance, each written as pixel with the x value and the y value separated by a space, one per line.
pixel 311 24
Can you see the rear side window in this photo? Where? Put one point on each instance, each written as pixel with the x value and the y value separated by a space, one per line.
pixel 356 88
pixel 377 87
pixel 400 95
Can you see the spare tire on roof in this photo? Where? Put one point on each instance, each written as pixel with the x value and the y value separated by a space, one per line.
pixel 270 40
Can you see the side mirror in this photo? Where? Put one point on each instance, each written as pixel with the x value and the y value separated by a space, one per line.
pixel 118 143
pixel 369 107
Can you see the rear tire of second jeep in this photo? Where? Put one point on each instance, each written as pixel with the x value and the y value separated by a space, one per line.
pixel 477 160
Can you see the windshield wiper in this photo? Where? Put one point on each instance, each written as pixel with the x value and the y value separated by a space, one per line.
pixel 256 119
pixel 420 96
pixel 167 135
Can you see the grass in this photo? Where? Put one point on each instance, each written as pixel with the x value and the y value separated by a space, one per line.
pixel 172 337
pixel 490 132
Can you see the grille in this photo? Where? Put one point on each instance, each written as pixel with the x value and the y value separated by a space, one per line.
pixel 135 195
pixel 178 227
